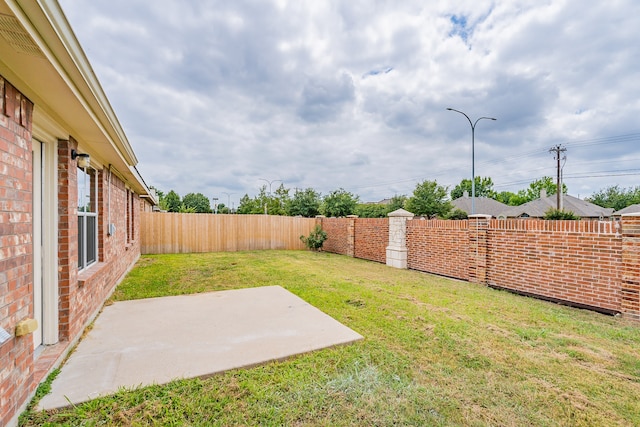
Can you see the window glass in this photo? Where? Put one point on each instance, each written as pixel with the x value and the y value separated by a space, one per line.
pixel 87 218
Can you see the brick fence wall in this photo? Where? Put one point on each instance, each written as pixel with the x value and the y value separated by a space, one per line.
pixel 440 247
pixel 582 266
pixel 371 238
pixel 339 239
pixel 592 264
pixel 365 238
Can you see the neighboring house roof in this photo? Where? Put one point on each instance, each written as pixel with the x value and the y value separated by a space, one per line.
pixel 537 208
pixel 483 205
pixel 629 209
pixel 41 56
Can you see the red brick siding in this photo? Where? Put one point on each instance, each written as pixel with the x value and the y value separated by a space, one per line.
pixel 440 247
pixel 80 295
pixel 371 239
pixel 116 255
pixel 16 250
pixel 67 232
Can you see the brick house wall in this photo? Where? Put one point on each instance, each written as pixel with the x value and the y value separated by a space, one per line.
pixel 16 250
pixel 81 294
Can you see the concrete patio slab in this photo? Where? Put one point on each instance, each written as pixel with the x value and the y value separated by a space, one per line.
pixel 154 341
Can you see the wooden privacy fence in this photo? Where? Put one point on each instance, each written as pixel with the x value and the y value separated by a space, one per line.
pixel 162 233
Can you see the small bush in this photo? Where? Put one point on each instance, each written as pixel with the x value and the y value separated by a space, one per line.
pixel 557 214
pixel 316 239
pixel 457 214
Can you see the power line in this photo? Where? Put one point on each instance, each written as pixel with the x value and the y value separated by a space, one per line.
pixel 529 154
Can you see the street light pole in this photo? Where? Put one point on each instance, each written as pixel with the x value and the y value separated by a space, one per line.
pixel 215 205
pixel 228 200
pixel 268 182
pixel 473 156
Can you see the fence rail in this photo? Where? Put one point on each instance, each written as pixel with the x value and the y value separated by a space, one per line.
pixel 162 233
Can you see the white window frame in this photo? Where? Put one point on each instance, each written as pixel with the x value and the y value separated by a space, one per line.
pixel 85 191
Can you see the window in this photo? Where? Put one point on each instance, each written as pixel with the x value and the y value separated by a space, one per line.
pixel 130 217
pixel 87 218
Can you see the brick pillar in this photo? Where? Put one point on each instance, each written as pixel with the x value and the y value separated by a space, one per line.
pixel 397 249
pixel 67 232
pixel 351 235
pixel 630 287
pixel 478 225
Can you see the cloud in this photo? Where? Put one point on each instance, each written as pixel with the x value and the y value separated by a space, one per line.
pixel 325 98
pixel 215 96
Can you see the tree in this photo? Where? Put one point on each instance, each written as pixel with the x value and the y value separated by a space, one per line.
pixel 304 203
pixel 429 199
pixel 509 198
pixel 615 197
pixel 197 201
pixel 544 183
pixel 484 188
pixel 339 203
pixel 172 202
pixel 397 202
pixel 222 209
pixel 250 206
pixel 277 202
pixel 371 210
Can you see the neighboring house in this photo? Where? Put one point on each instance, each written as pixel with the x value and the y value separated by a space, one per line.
pixel 69 223
pixel 629 209
pixel 483 205
pixel 539 207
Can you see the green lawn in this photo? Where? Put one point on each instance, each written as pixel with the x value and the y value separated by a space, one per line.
pixel 436 352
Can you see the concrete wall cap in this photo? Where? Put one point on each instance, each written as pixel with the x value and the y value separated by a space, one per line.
pixel 631 214
pixel 400 213
pixel 485 216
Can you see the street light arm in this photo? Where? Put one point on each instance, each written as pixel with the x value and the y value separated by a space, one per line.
pixel 470 122
pixel 486 118
pixel 473 156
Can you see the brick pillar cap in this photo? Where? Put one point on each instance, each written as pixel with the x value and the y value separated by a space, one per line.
pixel 485 216
pixel 630 214
pixel 401 213
pixel 320 216
pixel 352 216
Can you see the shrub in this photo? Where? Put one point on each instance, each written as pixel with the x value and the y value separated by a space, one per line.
pixel 457 214
pixel 557 214
pixel 316 238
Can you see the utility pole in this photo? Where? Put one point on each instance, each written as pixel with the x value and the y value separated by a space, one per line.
pixel 558 149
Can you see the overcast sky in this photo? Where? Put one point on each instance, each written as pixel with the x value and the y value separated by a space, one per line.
pixel 218 96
